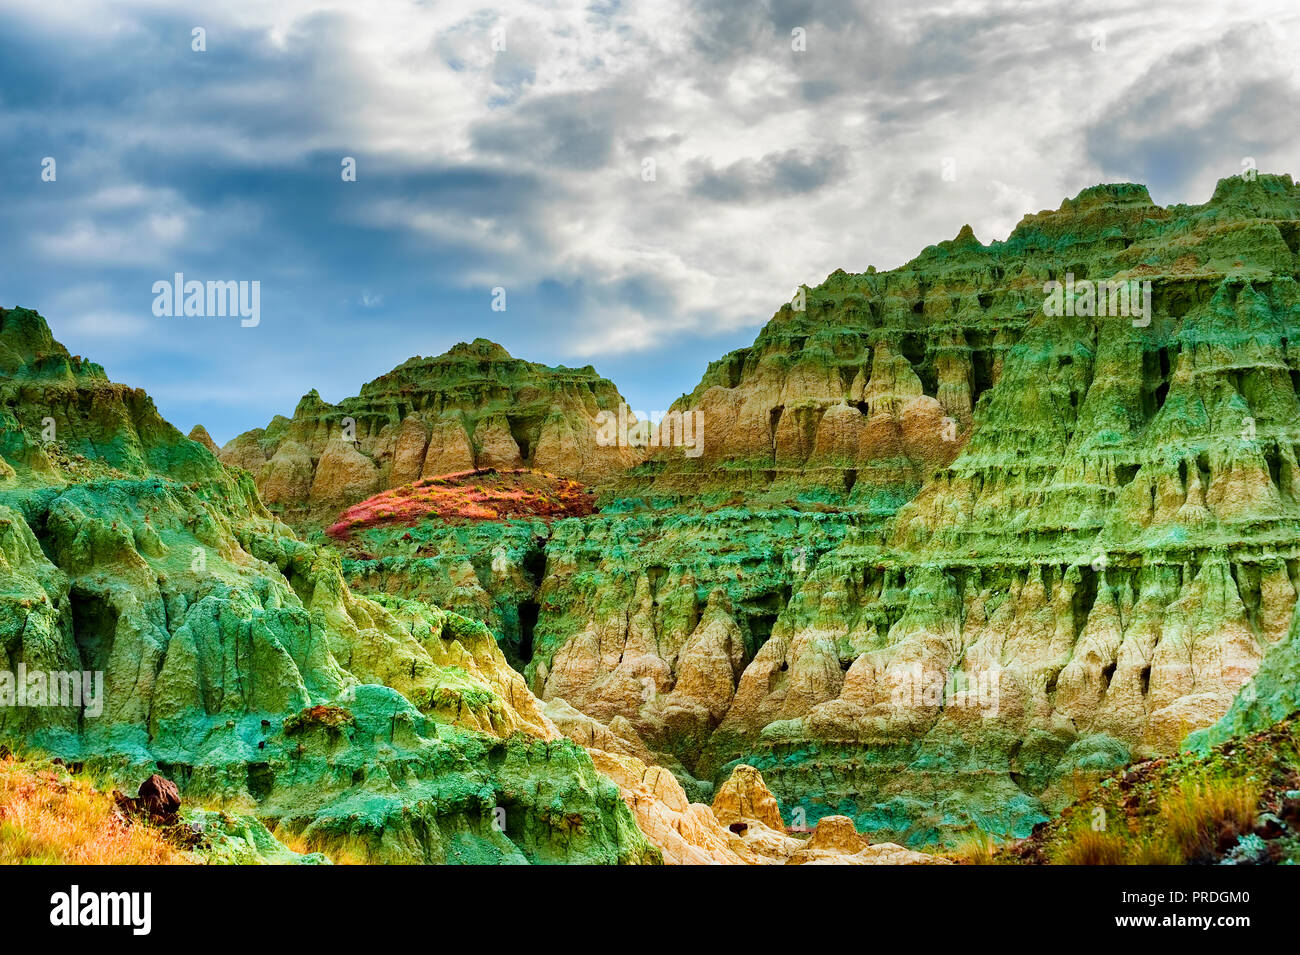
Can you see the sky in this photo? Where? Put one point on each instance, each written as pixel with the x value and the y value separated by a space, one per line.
pixel 646 182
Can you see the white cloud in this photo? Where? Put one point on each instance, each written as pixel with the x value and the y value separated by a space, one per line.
pixel 773 167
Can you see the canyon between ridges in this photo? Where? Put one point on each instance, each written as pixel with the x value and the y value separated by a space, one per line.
pixel 944 559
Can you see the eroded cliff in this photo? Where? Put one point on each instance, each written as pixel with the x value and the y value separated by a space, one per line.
pixel 236 661
pixel 943 549
pixel 472 407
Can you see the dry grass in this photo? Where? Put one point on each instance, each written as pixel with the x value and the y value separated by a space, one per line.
pixel 975 848
pixel 1157 850
pixel 1195 822
pixel 1199 816
pixel 48 817
pixel 1089 847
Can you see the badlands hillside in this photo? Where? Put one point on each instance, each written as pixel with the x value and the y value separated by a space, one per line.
pixel 952 553
pixel 942 550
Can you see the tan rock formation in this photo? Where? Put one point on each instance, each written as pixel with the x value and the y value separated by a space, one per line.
pixel 343 474
pixel 497 448
pixel 449 450
pixel 473 407
pixel 745 798
pixel 687 833
pixel 743 827
pixel 200 434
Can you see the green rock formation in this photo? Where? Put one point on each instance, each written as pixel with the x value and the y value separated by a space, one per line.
pixel 242 840
pixel 957 536
pixel 949 541
pixel 235 660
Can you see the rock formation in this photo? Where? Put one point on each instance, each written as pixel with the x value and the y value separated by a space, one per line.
pixel 950 539
pixel 473 407
pixel 236 662
pixel 956 535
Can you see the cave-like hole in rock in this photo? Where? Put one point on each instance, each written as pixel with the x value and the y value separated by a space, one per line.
pixel 1274 462
pixel 1203 468
pixel 520 429
pixel 773 421
pixel 1161 393
pixel 94 624
pixel 528 612
pixel 1085 595
pixel 981 360
pixel 535 563
pixel 261 780
pixel 1155 372
pixel 913 348
pixel 1107 673
pixel 760 628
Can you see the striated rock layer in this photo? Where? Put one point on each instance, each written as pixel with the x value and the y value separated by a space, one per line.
pixel 237 662
pixel 942 549
pixel 473 407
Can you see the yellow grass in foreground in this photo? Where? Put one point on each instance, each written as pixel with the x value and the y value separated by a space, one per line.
pixel 49 817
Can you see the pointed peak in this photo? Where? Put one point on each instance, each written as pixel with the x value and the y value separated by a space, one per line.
pixel 200 434
pixel 310 402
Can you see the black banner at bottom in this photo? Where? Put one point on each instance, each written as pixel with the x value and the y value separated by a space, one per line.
pixel 342 903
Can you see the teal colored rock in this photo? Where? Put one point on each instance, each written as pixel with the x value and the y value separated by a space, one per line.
pixel 968 542
pixel 234 659
pixel 243 840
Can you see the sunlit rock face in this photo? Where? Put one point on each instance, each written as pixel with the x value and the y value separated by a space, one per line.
pixel 473 407
pixel 949 541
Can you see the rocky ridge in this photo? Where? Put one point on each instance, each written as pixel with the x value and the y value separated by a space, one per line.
pixel 942 549
pixel 238 663
pixel 474 407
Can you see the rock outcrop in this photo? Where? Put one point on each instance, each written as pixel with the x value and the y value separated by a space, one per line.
pixel 212 647
pixel 743 827
pixel 744 798
pixel 956 534
pixel 950 540
pixel 472 407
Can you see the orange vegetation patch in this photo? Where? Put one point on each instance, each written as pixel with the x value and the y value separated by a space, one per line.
pixel 47 816
pixel 484 495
